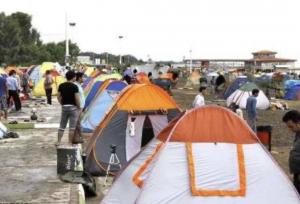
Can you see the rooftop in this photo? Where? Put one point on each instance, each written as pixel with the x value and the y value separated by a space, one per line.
pixel 263 52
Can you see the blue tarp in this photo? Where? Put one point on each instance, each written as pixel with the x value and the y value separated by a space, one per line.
pixel 234 86
pixel 292 93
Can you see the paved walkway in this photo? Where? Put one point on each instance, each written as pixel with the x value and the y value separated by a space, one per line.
pixel 28 164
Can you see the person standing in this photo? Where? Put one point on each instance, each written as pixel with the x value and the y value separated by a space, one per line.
pixel 292 121
pixel 25 84
pixel 236 109
pixel 68 97
pixel 199 99
pixel 219 84
pixel 133 78
pixel 251 109
pixel 48 86
pixel 3 96
pixel 13 90
pixel 78 82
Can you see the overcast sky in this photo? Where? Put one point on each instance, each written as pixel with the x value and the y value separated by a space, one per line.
pixel 168 29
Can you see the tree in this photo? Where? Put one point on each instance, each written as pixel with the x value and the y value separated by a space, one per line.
pixel 57 51
pixel 20 43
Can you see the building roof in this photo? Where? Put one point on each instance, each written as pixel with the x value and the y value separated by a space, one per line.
pixel 263 52
pixel 216 60
pixel 271 60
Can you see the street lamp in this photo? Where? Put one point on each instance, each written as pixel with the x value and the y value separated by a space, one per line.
pixel 191 61
pixel 120 37
pixel 67 55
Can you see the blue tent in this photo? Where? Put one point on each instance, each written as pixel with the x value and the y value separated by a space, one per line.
pixel 163 83
pixel 92 93
pixel 234 86
pixel 290 83
pixel 86 81
pixel 100 104
pixel 292 93
pixel 35 75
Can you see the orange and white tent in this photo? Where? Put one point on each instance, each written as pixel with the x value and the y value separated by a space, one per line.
pixel 207 155
pixel 140 112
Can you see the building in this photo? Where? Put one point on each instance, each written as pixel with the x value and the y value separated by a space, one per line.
pixel 267 60
pixel 85 60
pixel 261 60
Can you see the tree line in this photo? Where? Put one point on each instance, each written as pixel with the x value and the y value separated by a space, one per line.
pixel 20 43
pixel 113 60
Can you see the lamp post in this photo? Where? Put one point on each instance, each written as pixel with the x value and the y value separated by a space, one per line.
pixel 191 61
pixel 120 37
pixel 67 55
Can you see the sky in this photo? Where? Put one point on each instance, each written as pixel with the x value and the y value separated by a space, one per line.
pixel 169 29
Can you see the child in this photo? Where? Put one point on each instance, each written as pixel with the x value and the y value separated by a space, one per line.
pixel 236 108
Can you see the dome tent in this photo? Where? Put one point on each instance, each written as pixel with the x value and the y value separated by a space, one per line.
pixel 100 104
pixel 237 83
pixel 241 95
pixel 293 93
pixel 139 113
pixel 207 155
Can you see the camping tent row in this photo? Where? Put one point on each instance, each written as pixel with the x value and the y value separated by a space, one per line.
pixel 89 82
pixel 139 114
pixel 102 100
pixel 91 85
pixel 207 155
pixel 241 95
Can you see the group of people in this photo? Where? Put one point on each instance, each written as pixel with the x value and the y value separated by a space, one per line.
pixel 10 87
pixel 250 106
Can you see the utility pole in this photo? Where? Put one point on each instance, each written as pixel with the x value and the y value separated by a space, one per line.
pixel 191 61
pixel 120 37
pixel 67 55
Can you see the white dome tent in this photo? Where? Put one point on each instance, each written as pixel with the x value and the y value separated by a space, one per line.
pixel 209 156
pixel 241 95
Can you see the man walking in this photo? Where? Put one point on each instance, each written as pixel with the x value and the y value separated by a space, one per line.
pixel 48 86
pixel 292 121
pixel 251 109
pixel 13 89
pixel 68 97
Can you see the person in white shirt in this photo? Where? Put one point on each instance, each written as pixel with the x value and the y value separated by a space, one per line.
pixel 199 99
pixel 13 89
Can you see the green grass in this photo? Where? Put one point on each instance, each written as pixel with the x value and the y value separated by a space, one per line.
pixel 20 126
